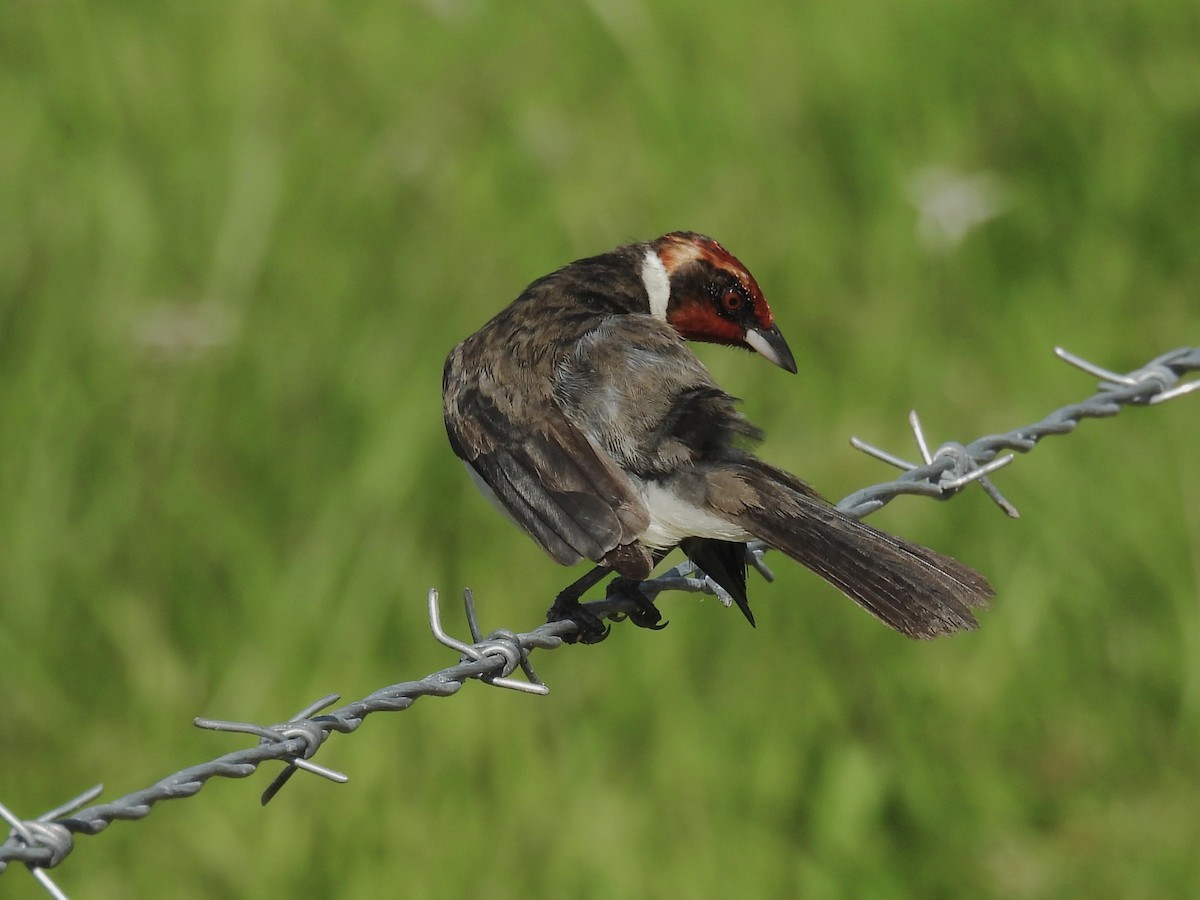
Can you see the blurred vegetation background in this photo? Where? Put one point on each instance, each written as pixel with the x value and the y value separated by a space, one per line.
pixel 238 239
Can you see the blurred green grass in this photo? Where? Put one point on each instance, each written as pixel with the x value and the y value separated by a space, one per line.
pixel 238 240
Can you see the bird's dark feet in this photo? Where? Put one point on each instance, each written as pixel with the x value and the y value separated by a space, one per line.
pixel 646 615
pixel 591 628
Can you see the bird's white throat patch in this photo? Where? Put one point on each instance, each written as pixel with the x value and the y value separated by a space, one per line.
pixel 658 284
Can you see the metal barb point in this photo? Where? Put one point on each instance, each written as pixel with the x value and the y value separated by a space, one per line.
pixel 47 883
pixel 980 473
pixel 299 726
pixel 756 552
pixel 312 709
pixel 46 833
pixel 11 818
pixel 1157 371
pixel 75 803
pixel 998 498
pixel 238 727
pixel 963 471
pixel 472 615
pixel 507 648
pixel 332 774
pixel 1177 391
pixel 882 455
pixel 302 726
pixel 689 578
pixel 523 661
pixel 914 422
pixel 1092 369
pixel 711 586
pixel 293 764
pixel 435 625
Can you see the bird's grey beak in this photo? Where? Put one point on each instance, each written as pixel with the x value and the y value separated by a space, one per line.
pixel 770 343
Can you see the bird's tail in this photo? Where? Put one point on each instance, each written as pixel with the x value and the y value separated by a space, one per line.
pixel 917 591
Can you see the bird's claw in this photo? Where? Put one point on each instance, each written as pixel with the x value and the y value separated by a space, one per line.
pixel 651 619
pixel 590 628
pixel 646 615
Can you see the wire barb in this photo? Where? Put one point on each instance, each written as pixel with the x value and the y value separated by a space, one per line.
pixel 1158 373
pixel 500 645
pixel 688 578
pixel 45 841
pixel 961 471
pixel 1092 369
pixel 755 551
pixel 1152 383
pixel 300 727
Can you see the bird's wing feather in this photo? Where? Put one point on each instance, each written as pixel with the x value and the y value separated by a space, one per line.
pixel 633 386
pixel 567 445
pixel 569 496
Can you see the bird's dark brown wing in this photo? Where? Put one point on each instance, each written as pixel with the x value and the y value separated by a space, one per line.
pixel 632 384
pixel 568 495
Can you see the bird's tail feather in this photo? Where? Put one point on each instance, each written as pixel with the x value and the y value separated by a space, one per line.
pixel 917 591
pixel 725 563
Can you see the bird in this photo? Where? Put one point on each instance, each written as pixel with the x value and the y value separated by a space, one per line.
pixel 582 414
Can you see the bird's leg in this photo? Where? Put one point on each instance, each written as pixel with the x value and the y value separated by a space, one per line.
pixel 592 629
pixel 647 614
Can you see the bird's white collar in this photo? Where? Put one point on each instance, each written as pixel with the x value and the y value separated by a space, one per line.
pixel 658 284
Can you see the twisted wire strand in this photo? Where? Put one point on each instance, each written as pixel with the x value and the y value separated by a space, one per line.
pixel 44 842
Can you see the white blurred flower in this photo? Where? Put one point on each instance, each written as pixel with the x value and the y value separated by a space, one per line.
pixel 450 11
pixel 180 332
pixel 952 204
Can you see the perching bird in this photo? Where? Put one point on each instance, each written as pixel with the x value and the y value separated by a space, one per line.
pixel 582 414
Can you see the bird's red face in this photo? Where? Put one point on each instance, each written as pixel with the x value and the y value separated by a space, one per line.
pixel 710 296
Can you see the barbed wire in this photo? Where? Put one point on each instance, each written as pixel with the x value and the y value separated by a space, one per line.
pixel 43 842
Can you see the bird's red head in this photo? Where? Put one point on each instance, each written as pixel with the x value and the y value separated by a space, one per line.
pixel 706 294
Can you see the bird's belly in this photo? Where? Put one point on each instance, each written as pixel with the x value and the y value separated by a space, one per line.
pixel 672 519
